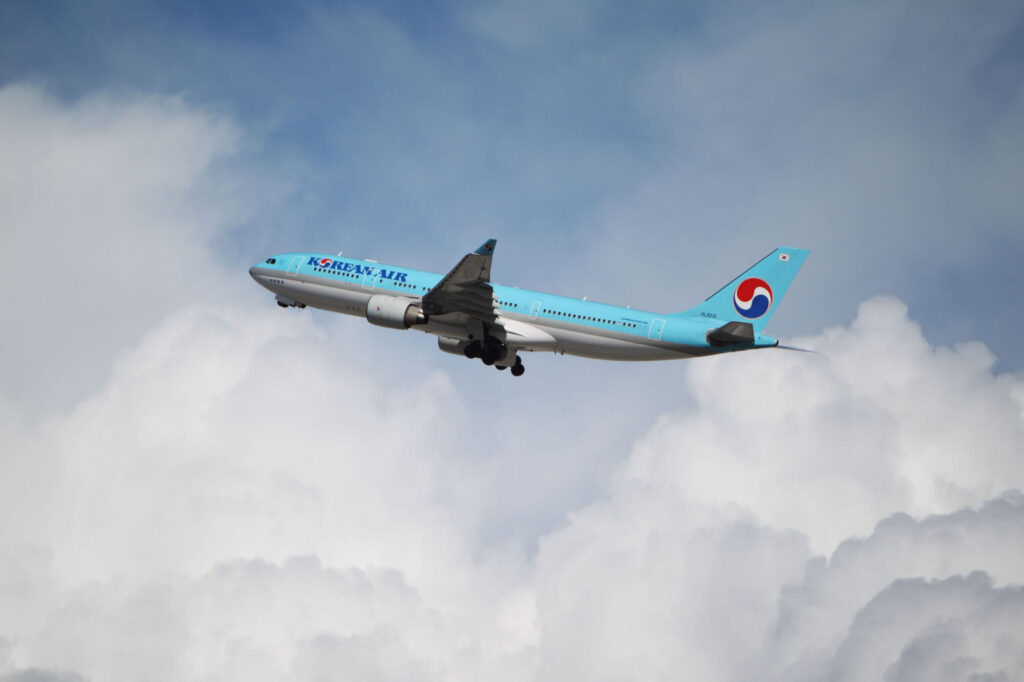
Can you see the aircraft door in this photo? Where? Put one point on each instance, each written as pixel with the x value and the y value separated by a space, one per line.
pixel 293 267
pixel 535 310
pixel 657 327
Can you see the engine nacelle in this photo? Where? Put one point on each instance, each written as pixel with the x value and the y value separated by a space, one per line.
pixel 393 312
pixel 453 346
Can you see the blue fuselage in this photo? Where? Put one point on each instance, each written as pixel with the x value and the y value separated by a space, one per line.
pixel 535 321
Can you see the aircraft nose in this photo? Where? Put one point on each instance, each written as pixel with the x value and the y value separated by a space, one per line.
pixel 257 273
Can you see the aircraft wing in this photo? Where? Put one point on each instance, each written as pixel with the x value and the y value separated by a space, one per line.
pixel 467 289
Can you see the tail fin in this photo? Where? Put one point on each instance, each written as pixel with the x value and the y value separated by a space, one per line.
pixel 752 296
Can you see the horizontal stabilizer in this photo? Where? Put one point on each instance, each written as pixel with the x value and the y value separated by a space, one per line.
pixel 731 333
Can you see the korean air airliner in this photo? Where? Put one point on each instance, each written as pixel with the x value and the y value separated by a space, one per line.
pixel 473 317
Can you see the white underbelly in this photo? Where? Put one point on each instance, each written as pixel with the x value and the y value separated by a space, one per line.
pixel 587 345
pixel 334 299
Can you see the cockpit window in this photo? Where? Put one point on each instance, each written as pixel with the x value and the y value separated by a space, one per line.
pixel 271 260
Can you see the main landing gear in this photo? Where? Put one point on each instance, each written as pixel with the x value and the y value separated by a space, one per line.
pixel 492 352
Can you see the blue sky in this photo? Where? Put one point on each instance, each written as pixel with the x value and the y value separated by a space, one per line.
pixel 198 485
pixel 689 138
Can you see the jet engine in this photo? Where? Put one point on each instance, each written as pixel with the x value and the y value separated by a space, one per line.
pixel 453 346
pixel 394 312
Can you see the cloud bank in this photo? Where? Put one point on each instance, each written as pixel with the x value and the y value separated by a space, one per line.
pixel 250 494
pixel 878 421
pixel 106 200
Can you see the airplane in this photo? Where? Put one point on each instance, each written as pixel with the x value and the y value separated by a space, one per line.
pixel 476 318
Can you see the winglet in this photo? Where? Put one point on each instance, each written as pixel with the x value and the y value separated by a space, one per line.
pixel 487 248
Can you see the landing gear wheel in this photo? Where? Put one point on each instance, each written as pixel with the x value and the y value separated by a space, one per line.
pixel 501 368
pixel 283 305
pixel 473 350
pixel 518 369
pixel 491 355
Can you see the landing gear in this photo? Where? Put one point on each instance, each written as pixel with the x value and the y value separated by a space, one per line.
pixel 517 369
pixel 495 354
pixel 473 350
pixel 489 351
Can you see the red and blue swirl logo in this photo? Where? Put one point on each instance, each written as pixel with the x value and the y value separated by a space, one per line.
pixel 752 298
pixel 325 262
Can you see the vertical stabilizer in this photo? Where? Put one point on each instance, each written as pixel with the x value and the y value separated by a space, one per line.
pixel 753 296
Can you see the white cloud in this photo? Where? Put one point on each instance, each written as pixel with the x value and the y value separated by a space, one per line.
pixel 645 586
pixel 111 206
pixel 878 421
pixel 641 588
pixel 227 434
pixel 253 494
pixel 227 446
pixel 908 602
pixel 224 419
pixel 706 529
